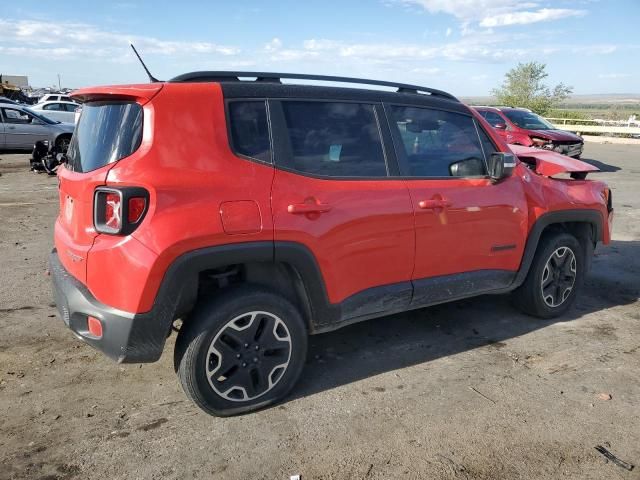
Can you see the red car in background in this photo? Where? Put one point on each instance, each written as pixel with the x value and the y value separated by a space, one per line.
pixel 519 126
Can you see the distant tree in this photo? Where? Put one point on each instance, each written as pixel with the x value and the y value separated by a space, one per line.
pixel 523 87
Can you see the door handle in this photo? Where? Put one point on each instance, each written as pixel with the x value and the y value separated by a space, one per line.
pixel 431 204
pixel 311 207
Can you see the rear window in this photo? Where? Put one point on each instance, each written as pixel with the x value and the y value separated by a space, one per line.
pixel 105 133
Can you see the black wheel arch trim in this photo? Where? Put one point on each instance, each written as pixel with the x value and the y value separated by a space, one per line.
pixel 178 290
pixel 588 216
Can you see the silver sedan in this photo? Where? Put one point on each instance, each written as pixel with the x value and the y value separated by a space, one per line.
pixel 21 128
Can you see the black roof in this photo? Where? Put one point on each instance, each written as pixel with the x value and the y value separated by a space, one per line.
pixel 273 80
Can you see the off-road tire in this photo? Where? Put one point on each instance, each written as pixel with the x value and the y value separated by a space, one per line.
pixel 529 297
pixel 203 345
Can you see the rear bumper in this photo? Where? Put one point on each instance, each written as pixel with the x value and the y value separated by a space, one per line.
pixel 126 337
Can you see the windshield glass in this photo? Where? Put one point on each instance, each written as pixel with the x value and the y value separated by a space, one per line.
pixel 105 133
pixel 528 120
pixel 41 117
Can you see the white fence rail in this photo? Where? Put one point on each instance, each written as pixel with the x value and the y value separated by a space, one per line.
pixel 611 127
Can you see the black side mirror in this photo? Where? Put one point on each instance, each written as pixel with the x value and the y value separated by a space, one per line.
pixel 500 126
pixel 501 165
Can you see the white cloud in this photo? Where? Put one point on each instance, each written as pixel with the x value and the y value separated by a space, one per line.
pixel 273 45
pixel 524 18
pixel 68 40
pixel 613 76
pixel 494 13
pixel 448 32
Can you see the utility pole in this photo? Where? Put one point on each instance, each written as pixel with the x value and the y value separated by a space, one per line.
pixel 59 86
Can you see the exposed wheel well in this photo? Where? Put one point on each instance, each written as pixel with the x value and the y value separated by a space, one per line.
pixel 63 136
pixel 280 277
pixel 584 232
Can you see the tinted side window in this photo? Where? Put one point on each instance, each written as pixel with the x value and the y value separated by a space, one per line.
pixel 493 118
pixel 15 116
pixel 435 143
pixel 334 139
pixel 250 129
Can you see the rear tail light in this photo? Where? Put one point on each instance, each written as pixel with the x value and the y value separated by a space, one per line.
pixel 137 206
pixel 119 211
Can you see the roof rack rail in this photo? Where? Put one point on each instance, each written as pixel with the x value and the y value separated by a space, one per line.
pixel 225 76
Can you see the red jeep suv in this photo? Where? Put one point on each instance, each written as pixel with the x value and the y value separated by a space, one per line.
pixel 248 214
pixel 519 126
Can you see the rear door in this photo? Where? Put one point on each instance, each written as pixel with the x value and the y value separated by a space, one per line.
pixel 105 133
pixel 465 223
pixel 332 194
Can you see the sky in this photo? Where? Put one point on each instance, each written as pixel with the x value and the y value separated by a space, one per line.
pixel 461 46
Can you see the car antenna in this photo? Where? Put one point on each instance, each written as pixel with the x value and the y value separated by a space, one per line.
pixel 152 79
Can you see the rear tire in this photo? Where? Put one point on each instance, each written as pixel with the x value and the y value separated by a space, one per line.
pixel 555 276
pixel 241 351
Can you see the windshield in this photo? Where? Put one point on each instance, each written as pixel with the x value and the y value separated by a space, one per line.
pixel 41 117
pixel 528 120
pixel 105 133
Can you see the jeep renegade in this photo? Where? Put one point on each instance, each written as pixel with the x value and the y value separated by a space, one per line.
pixel 248 214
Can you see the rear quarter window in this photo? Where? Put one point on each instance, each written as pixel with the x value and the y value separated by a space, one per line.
pixel 105 133
pixel 249 129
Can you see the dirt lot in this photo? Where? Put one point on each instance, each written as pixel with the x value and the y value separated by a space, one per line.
pixel 466 390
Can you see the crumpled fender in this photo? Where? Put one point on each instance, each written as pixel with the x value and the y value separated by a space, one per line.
pixel 549 163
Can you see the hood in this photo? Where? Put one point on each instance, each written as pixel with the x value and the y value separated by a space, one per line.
pixel 549 163
pixel 558 135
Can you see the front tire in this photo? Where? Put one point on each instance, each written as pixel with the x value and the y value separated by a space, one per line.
pixel 554 278
pixel 241 351
pixel 62 143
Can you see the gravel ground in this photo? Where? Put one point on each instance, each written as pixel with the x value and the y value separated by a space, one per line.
pixel 460 391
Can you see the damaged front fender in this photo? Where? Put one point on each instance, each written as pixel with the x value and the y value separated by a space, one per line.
pixel 549 163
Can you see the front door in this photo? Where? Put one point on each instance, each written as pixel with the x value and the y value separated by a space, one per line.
pixel 22 130
pixel 332 194
pixel 470 232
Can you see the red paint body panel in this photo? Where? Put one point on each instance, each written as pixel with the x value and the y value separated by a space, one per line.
pixel 241 217
pixel 187 182
pixel 74 231
pixel 365 240
pixel 363 234
pixel 140 93
pixel 462 236
pixel 550 163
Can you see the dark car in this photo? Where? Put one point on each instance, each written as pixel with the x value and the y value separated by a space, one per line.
pixel 519 126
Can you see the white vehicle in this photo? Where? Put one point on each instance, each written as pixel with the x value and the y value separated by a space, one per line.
pixel 55 97
pixel 60 111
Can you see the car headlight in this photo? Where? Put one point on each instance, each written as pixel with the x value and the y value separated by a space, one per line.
pixel 542 143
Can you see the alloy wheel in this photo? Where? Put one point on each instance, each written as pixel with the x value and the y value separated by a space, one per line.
pixel 558 277
pixel 248 356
